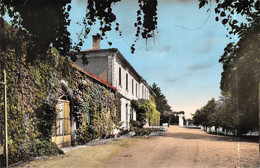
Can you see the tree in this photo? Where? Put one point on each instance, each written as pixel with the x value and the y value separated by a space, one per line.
pixel 47 21
pixel 204 115
pixel 240 60
pixel 225 9
pixel 160 101
pixel 145 111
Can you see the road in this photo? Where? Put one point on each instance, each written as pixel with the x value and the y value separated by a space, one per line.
pixel 183 147
pixel 178 147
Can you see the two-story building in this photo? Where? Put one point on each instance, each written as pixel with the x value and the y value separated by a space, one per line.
pixel 113 68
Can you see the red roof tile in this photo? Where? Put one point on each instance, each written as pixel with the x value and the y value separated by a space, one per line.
pixel 92 76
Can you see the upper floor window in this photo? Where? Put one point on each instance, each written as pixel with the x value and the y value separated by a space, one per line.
pixel 136 89
pixel 120 76
pixel 142 91
pixel 126 80
pixel 132 86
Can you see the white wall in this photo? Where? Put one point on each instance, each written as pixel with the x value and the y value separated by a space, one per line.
pixel 106 66
pixel 127 92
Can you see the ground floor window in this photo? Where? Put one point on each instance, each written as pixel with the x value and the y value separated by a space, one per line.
pixel 131 114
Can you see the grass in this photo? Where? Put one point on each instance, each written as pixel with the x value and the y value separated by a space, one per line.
pixel 89 156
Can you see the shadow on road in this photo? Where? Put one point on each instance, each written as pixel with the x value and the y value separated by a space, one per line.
pixel 197 134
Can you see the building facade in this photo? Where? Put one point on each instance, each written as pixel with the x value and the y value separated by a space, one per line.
pixel 110 66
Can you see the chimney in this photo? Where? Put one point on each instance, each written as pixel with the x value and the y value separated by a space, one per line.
pixel 96 42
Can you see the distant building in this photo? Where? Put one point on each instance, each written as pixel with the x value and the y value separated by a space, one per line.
pixel 111 66
pixel 180 115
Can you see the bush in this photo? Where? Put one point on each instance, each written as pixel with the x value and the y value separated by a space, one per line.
pixel 123 132
pixel 85 134
pixel 137 124
pixel 142 131
pixel 46 148
pixel 46 115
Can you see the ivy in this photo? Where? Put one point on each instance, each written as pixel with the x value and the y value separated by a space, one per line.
pixel 145 110
pixel 32 96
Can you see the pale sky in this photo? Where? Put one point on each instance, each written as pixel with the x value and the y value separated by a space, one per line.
pixel 183 62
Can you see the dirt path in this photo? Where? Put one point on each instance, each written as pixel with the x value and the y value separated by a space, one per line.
pixel 178 147
pixel 183 147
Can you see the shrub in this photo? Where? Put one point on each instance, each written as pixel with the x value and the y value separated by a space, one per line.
pixel 46 148
pixel 142 131
pixel 137 124
pixel 85 134
pixel 123 132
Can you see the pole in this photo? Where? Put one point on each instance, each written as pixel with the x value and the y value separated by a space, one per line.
pixel 259 113
pixel 6 133
pixel 258 83
pixel 257 77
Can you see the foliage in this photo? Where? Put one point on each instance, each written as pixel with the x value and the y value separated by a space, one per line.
pixel 145 111
pixel 52 30
pixel 250 9
pixel 47 22
pixel 85 134
pixel 143 131
pixel 240 61
pixel 96 106
pixel 160 101
pixel 44 22
pixel 203 115
pixel 46 115
pixel 137 124
pixel 227 113
pixel 33 89
pixel 239 107
pixel 46 148
pixel 123 132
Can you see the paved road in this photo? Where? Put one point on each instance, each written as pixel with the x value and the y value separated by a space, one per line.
pixel 183 147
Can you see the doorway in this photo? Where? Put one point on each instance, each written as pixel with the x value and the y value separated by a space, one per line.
pixel 62 131
pixel 126 107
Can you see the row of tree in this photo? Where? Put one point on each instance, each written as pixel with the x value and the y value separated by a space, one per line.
pixel 237 108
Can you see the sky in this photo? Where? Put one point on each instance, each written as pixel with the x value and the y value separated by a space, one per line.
pixel 183 57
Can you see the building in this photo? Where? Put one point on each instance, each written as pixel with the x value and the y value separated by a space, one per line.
pixel 111 66
pixel 180 115
pixel 65 128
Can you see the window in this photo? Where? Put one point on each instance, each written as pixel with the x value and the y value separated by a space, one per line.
pixel 131 114
pixel 126 80
pixel 126 107
pixel 142 91
pixel 136 89
pixel 133 86
pixel 120 76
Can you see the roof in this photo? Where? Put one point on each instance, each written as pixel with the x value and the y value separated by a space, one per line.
pixel 92 76
pixel 121 57
pixel 174 112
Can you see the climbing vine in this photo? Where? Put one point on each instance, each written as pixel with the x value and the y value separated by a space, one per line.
pixel 96 106
pixel 33 87
pixel 146 111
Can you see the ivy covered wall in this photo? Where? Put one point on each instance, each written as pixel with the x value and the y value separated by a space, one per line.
pixel 146 110
pixel 33 90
